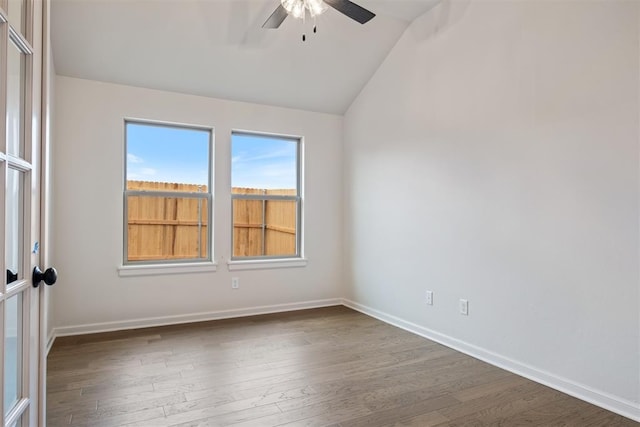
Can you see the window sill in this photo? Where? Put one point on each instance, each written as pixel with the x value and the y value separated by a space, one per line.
pixel 263 264
pixel 158 269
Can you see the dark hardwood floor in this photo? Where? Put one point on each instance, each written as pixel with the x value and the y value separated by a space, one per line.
pixel 323 367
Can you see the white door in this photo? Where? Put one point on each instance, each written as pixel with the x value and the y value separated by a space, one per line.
pixel 20 148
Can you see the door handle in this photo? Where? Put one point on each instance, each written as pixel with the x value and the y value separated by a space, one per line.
pixel 49 276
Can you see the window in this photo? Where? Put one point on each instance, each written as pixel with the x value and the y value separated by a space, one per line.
pixel 167 193
pixel 266 196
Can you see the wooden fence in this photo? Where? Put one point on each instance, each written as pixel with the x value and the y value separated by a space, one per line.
pixel 161 228
pixel 264 227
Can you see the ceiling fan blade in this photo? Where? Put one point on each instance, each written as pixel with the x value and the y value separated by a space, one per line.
pixel 277 18
pixel 352 10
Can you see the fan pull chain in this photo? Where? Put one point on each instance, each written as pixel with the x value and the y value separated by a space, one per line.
pixel 304 21
pixel 315 29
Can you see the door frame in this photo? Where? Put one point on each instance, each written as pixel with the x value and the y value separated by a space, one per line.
pixel 46 332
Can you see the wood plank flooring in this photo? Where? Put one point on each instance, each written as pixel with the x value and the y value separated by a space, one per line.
pixel 323 367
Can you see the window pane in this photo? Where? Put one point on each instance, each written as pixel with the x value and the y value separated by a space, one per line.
pixel 248 228
pixel 167 155
pixel 15 100
pixel 16 11
pixel 12 352
pixel 14 226
pixel 264 163
pixel 168 159
pixel 280 220
pixel 167 228
pixel 264 228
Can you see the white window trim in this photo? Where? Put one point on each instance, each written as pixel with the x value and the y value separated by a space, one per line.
pixel 161 269
pixel 265 264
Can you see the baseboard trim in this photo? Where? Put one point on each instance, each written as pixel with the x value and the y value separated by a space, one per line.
pixel 604 400
pixel 93 328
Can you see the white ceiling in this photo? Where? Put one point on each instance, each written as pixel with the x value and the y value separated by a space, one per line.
pixel 217 48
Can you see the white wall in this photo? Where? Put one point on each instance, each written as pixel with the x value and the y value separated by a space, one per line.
pixel 494 157
pixel 89 157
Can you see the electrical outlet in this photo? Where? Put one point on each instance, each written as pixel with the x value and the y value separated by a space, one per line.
pixel 429 297
pixel 464 307
pixel 235 282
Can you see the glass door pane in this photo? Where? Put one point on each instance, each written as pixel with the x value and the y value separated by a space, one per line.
pixel 16 11
pixel 16 64
pixel 12 352
pixel 14 227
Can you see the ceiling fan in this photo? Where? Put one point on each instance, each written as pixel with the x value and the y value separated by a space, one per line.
pixel 300 8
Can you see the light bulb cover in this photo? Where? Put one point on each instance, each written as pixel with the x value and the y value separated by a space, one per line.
pixel 298 8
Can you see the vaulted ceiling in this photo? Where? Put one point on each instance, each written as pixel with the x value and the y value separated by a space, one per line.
pixel 218 48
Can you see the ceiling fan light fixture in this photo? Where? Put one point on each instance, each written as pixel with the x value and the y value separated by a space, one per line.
pixel 298 8
pixel 316 7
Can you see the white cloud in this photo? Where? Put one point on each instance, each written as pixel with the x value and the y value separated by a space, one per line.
pixel 132 158
pixel 147 171
pixel 141 174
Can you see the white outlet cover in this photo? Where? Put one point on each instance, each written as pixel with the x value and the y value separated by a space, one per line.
pixel 430 297
pixel 464 307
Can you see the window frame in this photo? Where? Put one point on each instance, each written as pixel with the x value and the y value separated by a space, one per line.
pixel 256 262
pixel 142 267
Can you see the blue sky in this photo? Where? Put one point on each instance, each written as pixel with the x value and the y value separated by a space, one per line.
pixel 167 154
pixel 263 162
pixel 170 154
